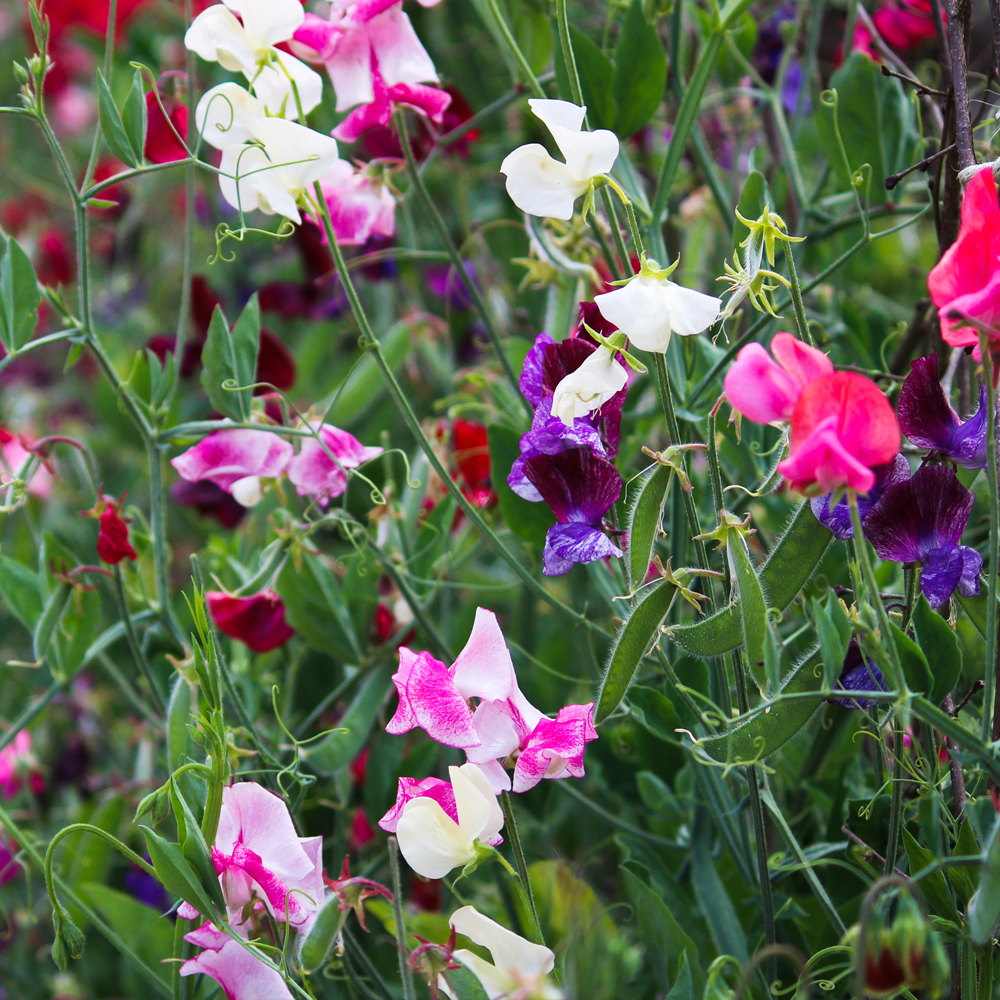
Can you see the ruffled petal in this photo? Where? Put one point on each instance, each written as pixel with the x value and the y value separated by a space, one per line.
pixel 483 669
pixel 539 184
pixel 568 544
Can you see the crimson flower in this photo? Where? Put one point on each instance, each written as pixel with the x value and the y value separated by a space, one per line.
pixel 162 144
pixel 112 540
pixel 259 621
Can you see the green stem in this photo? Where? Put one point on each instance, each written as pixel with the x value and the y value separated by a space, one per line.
pixel 402 953
pixel 508 37
pixel 566 42
pixel 896 801
pixel 630 212
pixel 909 595
pixel 158 524
pixel 534 930
pixel 133 696
pixel 33 345
pixel 989 674
pixel 213 800
pixel 800 310
pixel 133 643
pixel 763 874
pixel 510 825
pixel 457 263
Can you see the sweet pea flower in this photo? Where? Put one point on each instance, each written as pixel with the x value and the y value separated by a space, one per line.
pixel 375 60
pixel 235 968
pixel 541 185
pixel 921 520
pixel 360 205
pixel 249 48
pixel 967 277
pixel 316 474
pixel 649 308
pixel 928 420
pixel 236 460
pixel 842 426
pixel 434 840
pixel 163 126
pixel 17 760
pixel 838 516
pixel 259 620
pixel 860 675
pixel 503 726
pixel 14 457
pixel 596 381
pixel 765 390
pixel 113 544
pixel 519 967
pixel 267 163
pixel 258 853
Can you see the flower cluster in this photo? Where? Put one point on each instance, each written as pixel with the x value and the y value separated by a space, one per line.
pixel 577 389
pixel 475 705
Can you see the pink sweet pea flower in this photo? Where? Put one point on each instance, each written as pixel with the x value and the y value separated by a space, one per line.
pixel 842 426
pixel 237 970
pixel 236 460
pixel 316 474
pixel 17 761
pixel 360 206
pixel 259 620
pixel 14 457
pixel 409 788
pixel 258 851
pixel 967 278
pixel 766 390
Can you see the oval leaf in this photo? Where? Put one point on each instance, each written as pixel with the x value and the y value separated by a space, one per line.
pixel 644 522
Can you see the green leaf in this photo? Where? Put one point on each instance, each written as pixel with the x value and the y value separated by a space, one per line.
pixel 194 848
pixel 935 886
pixel 533 34
pixel 875 120
pixel 655 711
pixel 21 592
pixel 316 608
pixel 178 717
pixel 143 928
pixel 134 117
pixel 232 357
pixel 177 873
pixel 833 629
pixel 640 75
pixel 984 907
pixel 915 667
pixel 976 606
pixel 965 846
pixel 790 564
pixel 631 643
pixel 596 74
pixel 112 128
pixel 464 985
pixel 644 520
pixel 752 606
pixel 337 750
pixel 939 644
pixel 528 520
pixel 683 988
pixel 20 296
pixel 45 629
pixel 759 737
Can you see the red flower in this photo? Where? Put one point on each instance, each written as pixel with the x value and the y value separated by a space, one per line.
pixel 162 145
pixel 91 15
pixel 471 454
pixel 112 540
pixel 259 621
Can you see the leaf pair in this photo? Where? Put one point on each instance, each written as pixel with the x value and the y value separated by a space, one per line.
pixel 125 133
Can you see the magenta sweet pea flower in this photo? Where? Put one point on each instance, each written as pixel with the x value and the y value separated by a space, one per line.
pixel 921 520
pixel 236 460
pixel 316 474
pixel 927 419
pixel 257 851
pixel 237 970
pixel 258 620
pixel 17 762
pixel 360 205
pixel 766 389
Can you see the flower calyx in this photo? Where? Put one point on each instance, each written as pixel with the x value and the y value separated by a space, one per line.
pixel 672 457
pixel 683 574
pixel 728 523
pixel 649 268
pixel 764 230
pixel 352 891
pixel 616 343
pixel 430 960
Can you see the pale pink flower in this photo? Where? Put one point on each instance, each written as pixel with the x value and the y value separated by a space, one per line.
pixel 236 460
pixel 316 474
pixel 13 459
pixel 16 762
pixel 360 205
pixel 238 971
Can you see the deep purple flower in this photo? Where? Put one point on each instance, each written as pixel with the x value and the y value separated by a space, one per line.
pixel 858 674
pixel 146 889
pixel 838 517
pixel 447 284
pixel 531 374
pixel 580 487
pixel 922 520
pixel 549 436
pixel 927 419
pixel 209 500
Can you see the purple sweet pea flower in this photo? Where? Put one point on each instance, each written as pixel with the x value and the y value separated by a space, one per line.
pixel 580 487
pixel 922 520
pixel 927 419
pixel 838 517
pixel 530 382
pixel 858 674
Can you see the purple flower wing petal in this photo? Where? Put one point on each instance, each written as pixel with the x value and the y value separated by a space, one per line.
pixel 941 573
pixel 577 484
pixel 838 518
pixel 972 565
pixel 549 435
pixel 968 444
pixel 925 416
pixel 566 544
pixel 531 374
pixel 519 482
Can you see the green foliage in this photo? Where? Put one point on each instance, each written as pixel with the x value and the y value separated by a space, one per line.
pixel 230 361
pixel 645 521
pixel 19 295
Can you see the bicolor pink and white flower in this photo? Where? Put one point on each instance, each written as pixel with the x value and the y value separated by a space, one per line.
pixel 361 206
pixel 503 726
pixel 235 968
pixel 268 163
pixel 375 60
pixel 247 45
pixel 258 853
pixel 440 830
pixel 14 457
pixel 17 763
pixel 520 968
pixel 237 460
pixel 315 473
pixel 541 185
pixel 765 389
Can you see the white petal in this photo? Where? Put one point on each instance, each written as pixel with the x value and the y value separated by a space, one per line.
pixel 691 312
pixel 268 22
pixel 429 839
pixel 513 955
pixel 539 184
pixel 493 981
pixel 273 85
pixel 218 37
pixel 587 153
pixel 304 154
pixel 591 385
pixel 479 814
pixel 350 69
pixel 226 115
pixel 558 114
pixel 247 491
pixel 497 730
pixel 641 310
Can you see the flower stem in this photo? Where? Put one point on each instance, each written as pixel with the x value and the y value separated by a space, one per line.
pixel 896 801
pixel 402 954
pixel 562 18
pixel 989 674
pixel 515 49
pixel 522 867
pixel 797 304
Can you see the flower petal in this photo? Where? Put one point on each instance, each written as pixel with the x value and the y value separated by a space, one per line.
pixel 483 669
pixel 539 184
pixel 568 544
pixel 225 457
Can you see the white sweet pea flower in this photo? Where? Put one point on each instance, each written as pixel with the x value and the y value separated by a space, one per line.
pixel 267 163
pixel 519 967
pixel 433 842
pixel 249 48
pixel 541 185
pixel 590 386
pixel 650 307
